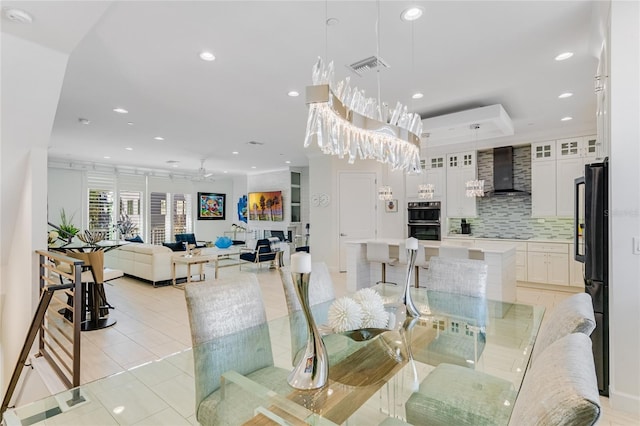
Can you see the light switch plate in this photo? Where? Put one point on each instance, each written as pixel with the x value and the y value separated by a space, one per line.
pixel 636 245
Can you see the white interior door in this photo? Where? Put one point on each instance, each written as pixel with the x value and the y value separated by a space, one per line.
pixel 357 209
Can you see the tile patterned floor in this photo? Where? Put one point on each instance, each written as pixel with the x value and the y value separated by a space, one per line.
pixel 152 323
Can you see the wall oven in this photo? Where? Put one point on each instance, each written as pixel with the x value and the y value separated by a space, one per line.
pixel 424 220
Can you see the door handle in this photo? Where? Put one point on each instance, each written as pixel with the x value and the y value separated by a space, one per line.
pixel 343 235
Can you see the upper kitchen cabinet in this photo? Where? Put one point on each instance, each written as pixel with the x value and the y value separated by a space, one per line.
pixel 433 172
pixel 543 179
pixel 460 168
pixel 580 147
pixel 573 154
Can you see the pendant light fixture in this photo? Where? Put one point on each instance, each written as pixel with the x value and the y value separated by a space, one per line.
pixel 344 122
pixel 475 187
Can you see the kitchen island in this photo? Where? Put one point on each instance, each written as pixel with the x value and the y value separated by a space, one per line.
pixel 500 258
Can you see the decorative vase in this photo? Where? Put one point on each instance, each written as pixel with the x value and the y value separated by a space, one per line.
pixel 312 371
pixel 412 249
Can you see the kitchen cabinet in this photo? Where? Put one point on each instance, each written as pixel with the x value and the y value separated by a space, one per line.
pixel 543 179
pixel 548 263
pixel 433 172
pixel 460 168
pixel 572 155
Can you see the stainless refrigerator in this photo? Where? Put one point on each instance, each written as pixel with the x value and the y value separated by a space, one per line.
pixel 591 242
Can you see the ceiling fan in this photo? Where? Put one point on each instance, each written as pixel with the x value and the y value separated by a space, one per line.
pixel 202 172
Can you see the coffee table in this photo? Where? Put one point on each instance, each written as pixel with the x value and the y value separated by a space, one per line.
pixel 190 260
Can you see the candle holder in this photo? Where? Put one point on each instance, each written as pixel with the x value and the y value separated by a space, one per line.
pixel 412 311
pixel 312 371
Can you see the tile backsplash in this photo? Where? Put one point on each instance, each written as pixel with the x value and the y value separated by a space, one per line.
pixel 511 215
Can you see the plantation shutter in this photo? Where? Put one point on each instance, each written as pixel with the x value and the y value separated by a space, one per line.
pixel 131 195
pixel 101 188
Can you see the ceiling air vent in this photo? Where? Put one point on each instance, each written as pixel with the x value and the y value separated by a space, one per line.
pixel 370 64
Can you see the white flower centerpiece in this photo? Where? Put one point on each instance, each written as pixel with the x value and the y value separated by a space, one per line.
pixel 364 310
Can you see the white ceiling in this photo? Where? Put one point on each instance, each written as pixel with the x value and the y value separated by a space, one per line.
pixel 143 56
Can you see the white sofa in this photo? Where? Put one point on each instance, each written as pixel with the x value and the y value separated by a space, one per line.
pixel 149 262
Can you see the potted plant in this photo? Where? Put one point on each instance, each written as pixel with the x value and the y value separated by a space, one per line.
pixel 66 229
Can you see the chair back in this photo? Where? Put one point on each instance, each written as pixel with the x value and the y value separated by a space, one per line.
pixel 560 389
pixel 186 238
pixel 263 246
pixel 572 315
pixel 453 251
pixel 378 252
pixel 229 330
pixel 453 275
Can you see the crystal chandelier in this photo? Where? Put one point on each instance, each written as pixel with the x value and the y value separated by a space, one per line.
pixel 385 193
pixel 344 122
pixel 425 191
pixel 475 187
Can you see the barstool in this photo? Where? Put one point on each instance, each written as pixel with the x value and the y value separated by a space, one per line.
pixel 421 260
pixel 379 252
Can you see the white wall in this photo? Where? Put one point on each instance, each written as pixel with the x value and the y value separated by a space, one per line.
pixel 30 91
pixel 272 181
pixel 624 289
pixel 209 230
pixel 65 190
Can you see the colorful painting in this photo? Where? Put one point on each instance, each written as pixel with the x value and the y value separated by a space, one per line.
pixel 242 209
pixel 211 206
pixel 266 206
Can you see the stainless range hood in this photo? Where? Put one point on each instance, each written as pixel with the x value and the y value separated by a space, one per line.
pixel 503 183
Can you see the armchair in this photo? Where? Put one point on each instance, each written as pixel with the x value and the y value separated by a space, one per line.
pixel 261 253
pixel 189 239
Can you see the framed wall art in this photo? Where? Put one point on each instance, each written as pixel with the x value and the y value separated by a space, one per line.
pixel 211 206
pixel 265 206
pixel 391 206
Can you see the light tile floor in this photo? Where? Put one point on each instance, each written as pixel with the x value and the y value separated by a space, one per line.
pixel 152 323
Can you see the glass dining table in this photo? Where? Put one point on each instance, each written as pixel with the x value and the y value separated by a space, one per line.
pixel 372 373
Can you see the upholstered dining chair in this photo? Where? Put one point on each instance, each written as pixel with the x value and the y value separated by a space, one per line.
pixel 458 292
pixel 560 389
pixel 229 331
pixel 572 315
pixel 455 275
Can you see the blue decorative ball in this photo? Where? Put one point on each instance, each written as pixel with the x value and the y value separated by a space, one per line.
pixel 223 242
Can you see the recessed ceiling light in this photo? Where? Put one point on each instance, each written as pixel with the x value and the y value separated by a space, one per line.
pixel 207 56
pixel 565 95
pixel 120 110
pixel 411 14
pixel 130 123
pixel 129 148
pixel 288 162
pixel 225 171
pixel 293 94
pixel 253 167
pixel 159 138
pixel 332 21
pixel 566 118
pixel 417 95
pixel 235 152
pixel 84 121
pixel 106 157
pixel 174 165
pixel 563 56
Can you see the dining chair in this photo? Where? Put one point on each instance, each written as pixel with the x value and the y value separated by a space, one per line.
pixel 229 332
pixel 453 251
pixel 572 315
pixel 560 389
pixel 456 293
pixel 378 251
pixel 457 275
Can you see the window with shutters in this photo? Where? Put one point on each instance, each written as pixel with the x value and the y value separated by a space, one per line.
pixel 131 207
pixel 166 222
pixel 101 190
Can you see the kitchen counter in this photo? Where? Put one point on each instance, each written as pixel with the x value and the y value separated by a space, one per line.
pixel 519 240
pixel 500 258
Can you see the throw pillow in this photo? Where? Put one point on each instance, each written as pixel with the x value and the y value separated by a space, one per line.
pixel 175 246
pixel 135 239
